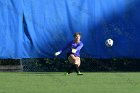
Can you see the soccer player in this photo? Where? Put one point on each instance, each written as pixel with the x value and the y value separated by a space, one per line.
pixel 73 54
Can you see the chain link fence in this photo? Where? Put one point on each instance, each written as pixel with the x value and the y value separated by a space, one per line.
pixel 87 65
pixel 60 65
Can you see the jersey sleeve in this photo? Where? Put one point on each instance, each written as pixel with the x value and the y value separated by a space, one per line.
pixel 79 46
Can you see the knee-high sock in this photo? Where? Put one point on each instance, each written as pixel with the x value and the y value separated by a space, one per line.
pixel 70 69
pixel 76 68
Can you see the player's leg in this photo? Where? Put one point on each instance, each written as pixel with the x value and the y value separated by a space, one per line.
pixel 71 65
pixel 76 63
pixel 70 68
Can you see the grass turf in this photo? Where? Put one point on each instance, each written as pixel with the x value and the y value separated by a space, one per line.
pixel 58 83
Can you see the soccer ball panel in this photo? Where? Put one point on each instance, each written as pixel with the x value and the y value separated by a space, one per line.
pixel 109 42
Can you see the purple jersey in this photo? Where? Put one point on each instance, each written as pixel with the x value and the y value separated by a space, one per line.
pixel 72 45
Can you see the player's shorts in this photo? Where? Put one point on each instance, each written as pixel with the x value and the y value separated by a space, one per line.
pixel 68 54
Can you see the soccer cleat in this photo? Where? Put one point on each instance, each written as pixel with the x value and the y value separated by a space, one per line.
pixel 79 73
pixel 66 74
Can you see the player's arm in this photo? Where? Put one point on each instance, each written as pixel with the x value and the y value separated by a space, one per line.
pixel 78 48
pixel 63 49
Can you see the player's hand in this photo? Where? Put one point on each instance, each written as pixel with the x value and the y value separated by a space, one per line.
pixel 57 53
pixel 74 50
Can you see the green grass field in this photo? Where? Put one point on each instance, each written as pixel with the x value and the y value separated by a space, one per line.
pixel 95 82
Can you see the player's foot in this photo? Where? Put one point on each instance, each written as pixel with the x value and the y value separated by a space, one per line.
pixel 66 74
pixel 79 73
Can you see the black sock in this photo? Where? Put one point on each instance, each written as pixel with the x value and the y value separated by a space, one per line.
pixel 70 69
pixel 76 68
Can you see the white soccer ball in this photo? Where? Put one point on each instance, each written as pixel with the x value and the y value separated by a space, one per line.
pixel 109 42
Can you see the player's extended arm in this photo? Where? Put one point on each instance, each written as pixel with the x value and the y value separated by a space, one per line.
pixel 63 49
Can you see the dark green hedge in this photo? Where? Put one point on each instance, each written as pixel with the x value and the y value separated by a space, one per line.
pixel 87 64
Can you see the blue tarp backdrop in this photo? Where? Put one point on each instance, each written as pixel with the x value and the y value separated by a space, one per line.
pixel 39 28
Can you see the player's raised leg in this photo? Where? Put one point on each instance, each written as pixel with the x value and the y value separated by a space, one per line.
pixel 75 64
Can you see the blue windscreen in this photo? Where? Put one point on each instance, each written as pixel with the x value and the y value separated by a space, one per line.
pixel 39 28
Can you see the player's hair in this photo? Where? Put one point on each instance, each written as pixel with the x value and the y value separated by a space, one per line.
pixel 77 33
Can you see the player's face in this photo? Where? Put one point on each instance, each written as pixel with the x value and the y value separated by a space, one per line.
pixel 77 38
